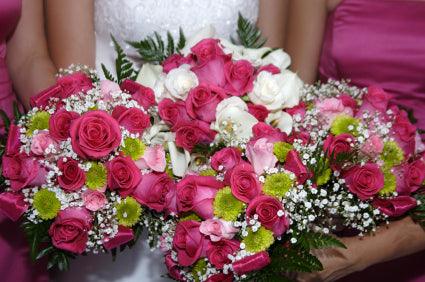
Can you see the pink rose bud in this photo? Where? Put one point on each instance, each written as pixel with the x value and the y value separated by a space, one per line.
pixel 42 141
pixel 373 146
pixel 260 154
pixel 153 158
pixel 108 87
pixel 94 200
pixel 217 229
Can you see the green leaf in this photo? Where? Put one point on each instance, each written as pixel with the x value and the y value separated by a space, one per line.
pixel 311 240
pixel 249 35
pixel 16 112
pixel 418 214
pixel 182 41
pixel 44 252
pixel 292 259
pixel 123 66
pixel 150 49
pixel 170 44
pixel 108 75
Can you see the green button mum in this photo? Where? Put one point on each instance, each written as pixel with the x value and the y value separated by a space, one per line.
pixel 134 148
pixel 38 121
pixel 46 204
pixel 96 177
pixel 258 241
pixel 277 185
pixel 281 149
pixel 226 206
pixel 345 124
pixel 392 154
pixel 390 183
pixel 128 212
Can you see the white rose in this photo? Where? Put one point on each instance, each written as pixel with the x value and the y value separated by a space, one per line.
pixel 203 33
pixel 276 91
pixel 242 53
pixel 179 159
pixel 232 116
pixel 179 81
pixel 152 76
pixel 278 58
pixel 281 120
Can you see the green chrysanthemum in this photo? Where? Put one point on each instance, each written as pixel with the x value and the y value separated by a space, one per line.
pixel 324 177
pixel 39 121
pixel 208 172
pixel 133 148
pixel 281 149
pixel 200 268
pixel 46 204
pixel 390 183
pixel 226 206
pixel 345 124
pixel 392 154
pixel 190 216
pixel 128 212
pixel 258 241
pixel 277 184
pixel 96 176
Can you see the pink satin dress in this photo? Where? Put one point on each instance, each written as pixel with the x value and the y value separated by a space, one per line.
pixel 381 42
pixel 15 263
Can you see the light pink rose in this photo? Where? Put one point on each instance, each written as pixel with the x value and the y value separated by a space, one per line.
pixel 331 107
pixel 153 158
pixel 373 146
pixel 218 229
pixel 260 154
pixel 108 87
pixel 41 141
pixel 94 200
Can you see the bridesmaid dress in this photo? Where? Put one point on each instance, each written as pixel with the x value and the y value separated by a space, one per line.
pixel 381 42
pixel 15 263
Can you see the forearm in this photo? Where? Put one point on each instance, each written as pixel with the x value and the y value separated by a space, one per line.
pixel 272 21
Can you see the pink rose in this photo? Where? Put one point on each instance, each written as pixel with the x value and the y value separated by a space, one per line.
pixel 174 61
pixel 239 77
pixel 373 146
pixel 173 113
pixel 42 99
pixel 123 174
pixel 218 252
pixel 395 207
pixel 73 177
pixel 192 134
pixel 202 102
pixel 244 183
pixel 155 191
pixel 260 154
pixel 404 132
pixel 348 101
pixel 410 176
pixel 123 236
pixel 263 130
pixel 226 159
pixel 153 158
pixel 267 209
pixel 41 141
pixel 376 99
pixel 173 268
pixel 336 145
pixel 251 263
pixel 13 143
pixel 133 119
pixel 364 181
pixel 23 171
pixel 95 135
pixel 197 193
pixel 188 242
pixel 94 200
pixel 209 62
pixel 294 164
pixel 217 229
pixel 269 68
pixel 258 111
pixel 220 277
pixel 332 107
pixel 60 124
pixel 74 83
pixel 12 205
pixel 108 87
pixel 69 231
pixel 143 95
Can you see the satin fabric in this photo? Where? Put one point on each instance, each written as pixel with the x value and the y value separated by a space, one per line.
pixel 15 264
pixel 381 42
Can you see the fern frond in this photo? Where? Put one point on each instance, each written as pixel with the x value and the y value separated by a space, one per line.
pixel 249 35
pixel 182 41
pixel 123 66
pixel 311 240
pixel 108 75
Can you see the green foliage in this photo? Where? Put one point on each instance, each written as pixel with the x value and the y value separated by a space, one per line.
pixel 153 49
pixel 311 240
pixel 418 214
pixel 248 34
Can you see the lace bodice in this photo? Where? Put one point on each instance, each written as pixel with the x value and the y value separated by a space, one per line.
pixel 131 20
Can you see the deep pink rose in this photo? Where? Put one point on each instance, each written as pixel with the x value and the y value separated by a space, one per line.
pixel 251 263
pixel 73 177
pixel 123 174
pixel 192 134
pixel 267 208
pixel 263 130
pixel 373 146
pixel 244 183
pixel 269 68
pixel 123 236
pixel 299 135
pixel 188 242
pixel 74 83
pixel 333 146
pixel 69 231
pixel 13 143
pixel 174 61
pixel 239 77
pixel 218 229
pixel 294 164
pixel 173 268
pixel 95 135
pixel 348 101
pixel 41 141
pixel 364 181
pixel 209 62
pixel 173 113
pixel 404 132
pixel 94 200
pixel 258 111
pixel 197 193
pixel 395 207
pixel 143 95
pixel 218 252
pixel 260 154
pixel 226 159
pixel 133 119
pixel 155 191
pixel 41 100
pixel 202 102
pixel 12 205
pixel 410 176
pixel 60 124
pixel 23 171
pixel 220 277
pixel 299 109
pixel 376 99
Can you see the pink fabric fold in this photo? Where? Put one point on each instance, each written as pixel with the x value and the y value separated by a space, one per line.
pixel 251 263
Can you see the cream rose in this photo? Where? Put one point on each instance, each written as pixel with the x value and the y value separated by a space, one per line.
pixel 276 91
pixel 281 120
pixel 153 77
pixel 179 81
pixel 278 58
pixel 242 53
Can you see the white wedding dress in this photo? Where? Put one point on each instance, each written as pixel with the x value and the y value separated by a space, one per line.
pixel 133 20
